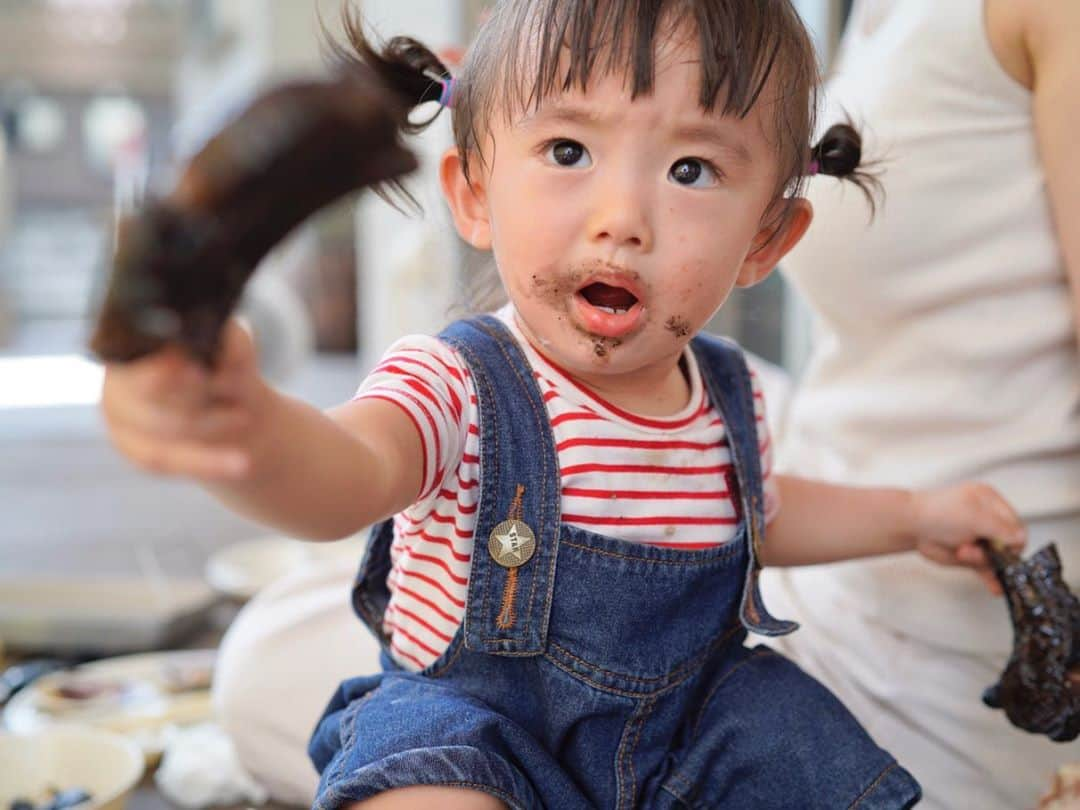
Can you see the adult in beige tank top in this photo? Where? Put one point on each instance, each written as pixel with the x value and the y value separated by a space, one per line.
pixel 945 349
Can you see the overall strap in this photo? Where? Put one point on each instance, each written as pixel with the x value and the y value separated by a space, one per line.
pixel 727 379
pixel 516 540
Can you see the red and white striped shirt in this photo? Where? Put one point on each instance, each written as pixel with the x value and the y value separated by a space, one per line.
pixel 662 481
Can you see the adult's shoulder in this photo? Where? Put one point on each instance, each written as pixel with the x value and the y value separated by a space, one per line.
pixel 1007 30
pixel 1027 35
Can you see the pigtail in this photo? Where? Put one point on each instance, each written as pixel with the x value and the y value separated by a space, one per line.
pixel 409 70
pixel 839 154
pixel 405 66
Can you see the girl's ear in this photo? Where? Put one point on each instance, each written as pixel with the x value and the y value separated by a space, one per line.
pixel 773 242
pixel 467 201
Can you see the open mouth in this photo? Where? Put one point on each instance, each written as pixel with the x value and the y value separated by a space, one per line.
pixel 613 300
pixel 608 310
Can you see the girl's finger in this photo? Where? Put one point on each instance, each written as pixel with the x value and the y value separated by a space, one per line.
pixel 969 554
pixel 215 423
pixel 990 581
pixel 190 459
pixel 237 345
pixel 1011 529
pixel 165 376
pixel 229 386
pixel 939 554
pixel 151 417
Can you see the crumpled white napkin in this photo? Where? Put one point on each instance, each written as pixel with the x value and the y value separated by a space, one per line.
pixel 200 768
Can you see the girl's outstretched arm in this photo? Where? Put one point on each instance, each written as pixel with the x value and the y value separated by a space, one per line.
pixel 820 522
pixel 269 457
pixel 325 475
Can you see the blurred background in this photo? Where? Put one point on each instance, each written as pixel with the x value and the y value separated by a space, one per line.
pixel 100 102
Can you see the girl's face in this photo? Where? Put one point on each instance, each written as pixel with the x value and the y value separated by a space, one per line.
pixel 619 227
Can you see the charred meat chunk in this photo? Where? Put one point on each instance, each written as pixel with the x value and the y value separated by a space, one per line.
pixel 1039 690
pixel 181 263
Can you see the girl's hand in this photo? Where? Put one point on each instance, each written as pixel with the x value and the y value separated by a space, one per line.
pixel 170 415
pixel 949 520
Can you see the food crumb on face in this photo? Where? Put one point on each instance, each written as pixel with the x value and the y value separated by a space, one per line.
pixel 678 326
pixel 603 345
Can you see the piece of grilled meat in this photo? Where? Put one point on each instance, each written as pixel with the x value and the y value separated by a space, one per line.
pixel 1040 687
pixel 182 261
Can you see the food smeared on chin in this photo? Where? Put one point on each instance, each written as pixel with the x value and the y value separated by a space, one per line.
pixel 1039 690
pixel 601 346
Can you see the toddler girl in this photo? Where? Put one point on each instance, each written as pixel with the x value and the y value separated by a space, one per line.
pixel 580 484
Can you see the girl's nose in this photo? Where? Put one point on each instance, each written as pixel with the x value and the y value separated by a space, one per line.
pixel 620 217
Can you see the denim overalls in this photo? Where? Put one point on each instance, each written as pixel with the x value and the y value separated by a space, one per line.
pixel 591 672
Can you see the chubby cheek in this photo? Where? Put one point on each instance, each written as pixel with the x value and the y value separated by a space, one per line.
pixel 694 292
pixel 526 251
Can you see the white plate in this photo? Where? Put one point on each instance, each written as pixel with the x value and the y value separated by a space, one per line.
pixel 243 569
pixel 139 696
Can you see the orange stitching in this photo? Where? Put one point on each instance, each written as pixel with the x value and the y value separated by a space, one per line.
pixel 625 759
pixel 633 748
pixel 873 785
pixel 506 615
pixel 515 505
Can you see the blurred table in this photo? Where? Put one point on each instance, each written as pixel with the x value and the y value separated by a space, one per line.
pixel 147 797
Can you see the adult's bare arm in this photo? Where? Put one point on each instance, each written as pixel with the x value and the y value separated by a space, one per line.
pixel 1052 38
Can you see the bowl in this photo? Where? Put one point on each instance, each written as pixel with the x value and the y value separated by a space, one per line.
pixel 105 765
pixel 241 570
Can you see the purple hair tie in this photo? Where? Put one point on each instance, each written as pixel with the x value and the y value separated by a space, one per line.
pixel 446 98
pixel 812 168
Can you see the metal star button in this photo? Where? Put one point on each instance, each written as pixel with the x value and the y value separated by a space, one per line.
pixel 511 543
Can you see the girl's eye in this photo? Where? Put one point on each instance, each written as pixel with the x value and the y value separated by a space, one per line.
pixel 569 153
pixel 693 172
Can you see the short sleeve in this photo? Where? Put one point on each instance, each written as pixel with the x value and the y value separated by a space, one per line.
pixel 765 447
pixel 429 381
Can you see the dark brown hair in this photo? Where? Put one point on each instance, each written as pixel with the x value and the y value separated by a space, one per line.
pixel 528 50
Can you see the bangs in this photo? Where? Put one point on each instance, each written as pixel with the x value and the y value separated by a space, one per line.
pixel 560 45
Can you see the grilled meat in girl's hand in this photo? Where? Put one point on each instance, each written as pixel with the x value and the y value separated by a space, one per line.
pixel 182 262
pixel 1040 687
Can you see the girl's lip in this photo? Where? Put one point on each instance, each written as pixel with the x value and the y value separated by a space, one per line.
pixel 607 324
pixel 600 322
